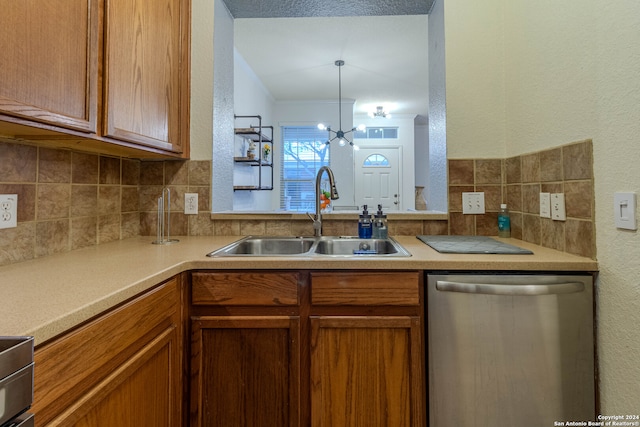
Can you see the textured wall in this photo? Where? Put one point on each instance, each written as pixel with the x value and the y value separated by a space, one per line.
pixel 571 72
pixel 474 51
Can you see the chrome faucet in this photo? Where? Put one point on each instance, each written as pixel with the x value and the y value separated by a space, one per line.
pixel 317 218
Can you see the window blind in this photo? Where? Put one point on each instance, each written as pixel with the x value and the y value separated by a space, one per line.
pixel 304 152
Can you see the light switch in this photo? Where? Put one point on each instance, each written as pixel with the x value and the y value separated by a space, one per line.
pixel 545 205
pixel 558 211
pixel 624 210
pixel 473 203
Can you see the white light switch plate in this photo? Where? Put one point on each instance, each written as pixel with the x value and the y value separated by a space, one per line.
pixel 624 210
pixel 8 210
pixel 558 212
pixel 191 203
pixel 473 203
pixel 545 205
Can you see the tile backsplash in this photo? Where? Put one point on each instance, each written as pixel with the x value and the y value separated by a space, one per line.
pixel 69 200
pixel 518 181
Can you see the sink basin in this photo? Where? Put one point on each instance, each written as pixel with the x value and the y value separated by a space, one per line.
pixel 312 247
pixel 266 246
pixel 359 247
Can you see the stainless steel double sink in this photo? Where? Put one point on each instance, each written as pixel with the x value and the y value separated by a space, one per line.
pixel 325 246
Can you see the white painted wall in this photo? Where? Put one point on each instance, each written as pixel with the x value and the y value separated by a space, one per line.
pixel 567 71
pixel 201 123
pixel 251 98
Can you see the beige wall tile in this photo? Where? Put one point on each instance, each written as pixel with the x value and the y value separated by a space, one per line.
pixel 551 165
pixel 226 227
pixel 54 165
pixel 251 227
pixel 514 197
pixel 455 196
pixel 531 198
pixel 108 228
pixel 461 172
pixel 84 232
pixel 461 225
pixel 52 237
pixel 108 200
pixel 580 238
pixel 492 196
pixel 531 228
pixel 577 160
pixel 85 168
pixel 129 225
pixel 200 172
pixel 18 163
pixel 579 199
pixel 513 168
pixel 176 173
pixel 552 233
pixel 488 171
pixel 152 173
pixel 531 167
pixel 18 244
pixel 201 224
pixel 130 199
pixel 435 228
pixel 53 201
pixel 487 224
pixel 84 200
pixel 404 228
pixel 516 225
pixel 130 172
pixel 109 170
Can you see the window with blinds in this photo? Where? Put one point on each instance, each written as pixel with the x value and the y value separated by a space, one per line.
pixel 304 152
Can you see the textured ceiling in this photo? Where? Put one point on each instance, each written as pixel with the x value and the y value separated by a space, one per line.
pixel 386 59
pixel 325 8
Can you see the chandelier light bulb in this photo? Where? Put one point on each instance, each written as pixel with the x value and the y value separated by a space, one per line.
pixel 321 126
pixel 342 142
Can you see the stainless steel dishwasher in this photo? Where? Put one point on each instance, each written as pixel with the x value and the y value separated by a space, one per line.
pixel 513 349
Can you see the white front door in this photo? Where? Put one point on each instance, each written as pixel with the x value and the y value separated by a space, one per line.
pixel 376 178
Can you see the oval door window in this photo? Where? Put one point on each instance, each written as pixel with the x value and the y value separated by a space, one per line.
pixel 376 161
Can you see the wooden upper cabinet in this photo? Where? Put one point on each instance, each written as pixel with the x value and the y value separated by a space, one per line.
pixel 144 72
pixel 49 57
pixel 108 76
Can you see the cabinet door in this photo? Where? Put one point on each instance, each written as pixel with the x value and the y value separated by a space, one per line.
pixel 49 56
pixel 145 72
pixel 139 393
pixel 123 363
pixel 366 371
pixel 245 371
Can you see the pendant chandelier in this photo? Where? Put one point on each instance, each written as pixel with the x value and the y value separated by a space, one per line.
pixel 340 135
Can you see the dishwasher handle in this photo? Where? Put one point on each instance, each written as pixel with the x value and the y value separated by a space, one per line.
pixel 507 289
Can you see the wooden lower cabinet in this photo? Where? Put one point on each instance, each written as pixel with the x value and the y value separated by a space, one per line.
pixel 125 368
pixel 246 371
pixel 366 371
pixel 308 348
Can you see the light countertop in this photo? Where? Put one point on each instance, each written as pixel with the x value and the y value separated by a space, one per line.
pixel 47 296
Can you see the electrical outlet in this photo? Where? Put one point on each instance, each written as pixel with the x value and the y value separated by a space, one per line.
pixel 8 210
pixel 191 203
pixel 473 203
pixel 545 205
pixel 558 212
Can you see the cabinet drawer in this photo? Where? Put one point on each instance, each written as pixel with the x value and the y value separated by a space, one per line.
pixel 365 288
pixel 253 288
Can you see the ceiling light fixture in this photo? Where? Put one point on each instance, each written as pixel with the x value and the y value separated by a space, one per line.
pixel 340 135
pixel 380 113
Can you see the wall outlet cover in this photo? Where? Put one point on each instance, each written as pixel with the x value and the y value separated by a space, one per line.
pixel 191 203
pixel 558 211
pixel 8 210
